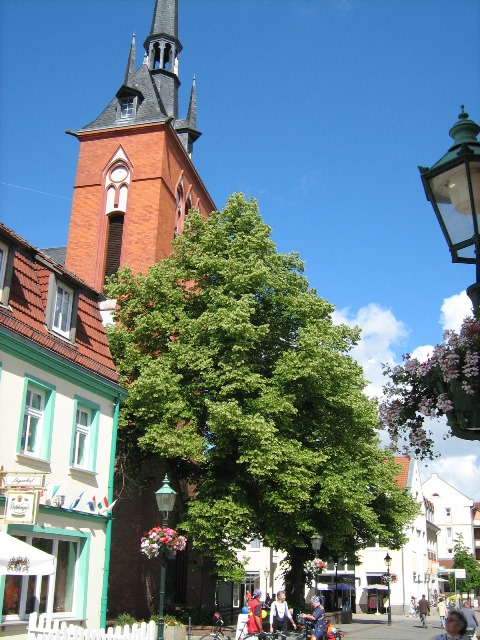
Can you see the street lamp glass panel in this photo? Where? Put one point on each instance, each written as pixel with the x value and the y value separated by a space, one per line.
pixel 165 497
pixel 316 541
pixel 450 190
pixel 388 561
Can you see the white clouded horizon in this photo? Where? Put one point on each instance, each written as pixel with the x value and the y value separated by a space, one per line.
pixel 382 334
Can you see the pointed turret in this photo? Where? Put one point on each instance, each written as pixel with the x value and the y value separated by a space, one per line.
pixel 187 128
pixel 163 48
pixel 130 70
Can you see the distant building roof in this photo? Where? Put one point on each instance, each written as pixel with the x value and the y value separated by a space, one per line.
pixel 56 253
pixel 402 478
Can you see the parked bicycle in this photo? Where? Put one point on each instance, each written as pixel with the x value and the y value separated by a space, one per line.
pixel 217 632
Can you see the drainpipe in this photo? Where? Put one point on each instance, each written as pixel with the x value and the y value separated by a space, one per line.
pixel 109 521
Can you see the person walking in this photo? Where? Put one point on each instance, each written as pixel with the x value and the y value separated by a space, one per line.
pixel 472 622
pixel 423 608
pixel 442 611
pixel 279 614
pixel 455 626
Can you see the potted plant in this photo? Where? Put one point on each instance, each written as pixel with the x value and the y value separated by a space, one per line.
pixel 446 384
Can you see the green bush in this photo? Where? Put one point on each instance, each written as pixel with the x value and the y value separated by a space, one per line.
pixel 169 621
pixel 124 619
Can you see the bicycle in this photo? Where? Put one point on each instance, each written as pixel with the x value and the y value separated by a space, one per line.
pixel 216 633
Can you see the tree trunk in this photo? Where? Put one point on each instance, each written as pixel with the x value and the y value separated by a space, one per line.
pixel 295 581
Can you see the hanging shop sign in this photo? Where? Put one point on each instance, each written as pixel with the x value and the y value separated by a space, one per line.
pixel 21 479
pixel 21 507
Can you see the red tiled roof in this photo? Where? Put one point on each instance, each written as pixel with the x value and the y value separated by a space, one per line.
pixel 27 303
pixel 404 464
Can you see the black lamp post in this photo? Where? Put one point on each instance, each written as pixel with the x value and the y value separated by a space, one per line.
pixel 316 541
pixel 388 563
pixel 452 185
pixel 165 501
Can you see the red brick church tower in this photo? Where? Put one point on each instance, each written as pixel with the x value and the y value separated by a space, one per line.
pixel 135 178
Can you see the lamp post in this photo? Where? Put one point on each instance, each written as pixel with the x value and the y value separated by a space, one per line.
pixel 388 563
pixel 316 541
pixel 266 573
pixel 335 607
pixel 165 501
pixel 427 582
pixel 452 185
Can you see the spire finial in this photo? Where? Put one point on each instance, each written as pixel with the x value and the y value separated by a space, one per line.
pixel 130 70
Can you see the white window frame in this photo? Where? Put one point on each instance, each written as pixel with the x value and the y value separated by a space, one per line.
pixel 46 581
pixel 3 267
pixel 82 430
pixel 62 312
pixel 127 108
pixel 31 413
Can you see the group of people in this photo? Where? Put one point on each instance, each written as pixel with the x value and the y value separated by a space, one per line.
pixel 459 624
pixel 280 614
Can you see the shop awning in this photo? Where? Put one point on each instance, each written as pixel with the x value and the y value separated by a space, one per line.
pixel 18 558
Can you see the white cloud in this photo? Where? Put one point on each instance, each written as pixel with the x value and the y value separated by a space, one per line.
pixel 380 330
pixel 454 310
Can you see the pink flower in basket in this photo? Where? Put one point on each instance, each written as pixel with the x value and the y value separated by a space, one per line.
pixel 161 539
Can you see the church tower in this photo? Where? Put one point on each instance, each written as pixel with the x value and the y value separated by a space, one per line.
pixel 135 178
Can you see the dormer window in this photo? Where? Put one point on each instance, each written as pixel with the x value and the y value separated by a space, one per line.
pixel 6 267
pixel 127 107
pixel 61 308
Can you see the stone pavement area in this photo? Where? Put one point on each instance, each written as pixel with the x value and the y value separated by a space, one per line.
pixel 373 627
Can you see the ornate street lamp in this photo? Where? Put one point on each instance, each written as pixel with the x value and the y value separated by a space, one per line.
pixel 452 185
pixel 165 501
pixel 316 541
pixel 388 563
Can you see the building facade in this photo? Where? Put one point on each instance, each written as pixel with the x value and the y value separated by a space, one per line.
pixel 59 402
pixel 453 515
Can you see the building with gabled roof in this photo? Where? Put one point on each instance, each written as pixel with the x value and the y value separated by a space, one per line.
pixel 59 403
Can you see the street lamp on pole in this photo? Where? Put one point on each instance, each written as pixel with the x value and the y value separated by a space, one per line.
pixel 316 541
pixel 266 573
pixel 165 497
pixel 388 563
pixel 452 185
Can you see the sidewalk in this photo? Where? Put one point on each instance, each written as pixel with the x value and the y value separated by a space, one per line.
pixel 373 627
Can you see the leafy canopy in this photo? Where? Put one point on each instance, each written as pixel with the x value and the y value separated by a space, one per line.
pixel 238 377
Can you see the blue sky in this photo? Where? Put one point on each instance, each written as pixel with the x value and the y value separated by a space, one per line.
pixel 321 109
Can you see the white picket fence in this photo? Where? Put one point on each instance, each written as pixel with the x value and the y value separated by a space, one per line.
pixel 44 627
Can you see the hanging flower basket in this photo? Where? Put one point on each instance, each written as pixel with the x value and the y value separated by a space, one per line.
pixel 162 540
pixel 447 384
pixel 387 578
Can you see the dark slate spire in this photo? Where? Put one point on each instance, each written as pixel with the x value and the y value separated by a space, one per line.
pixel 165 18
pixel 192 106
pixel 130 70
pixel 187 128
pixel 150 93
pixel 163 48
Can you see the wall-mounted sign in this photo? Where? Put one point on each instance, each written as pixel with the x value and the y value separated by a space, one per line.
pixel 21 479
pixel 21 507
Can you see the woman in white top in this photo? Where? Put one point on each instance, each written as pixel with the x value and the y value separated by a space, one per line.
pixel 456 627
pixel 279 614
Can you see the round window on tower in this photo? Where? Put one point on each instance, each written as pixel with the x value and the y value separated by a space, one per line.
pixel 118 173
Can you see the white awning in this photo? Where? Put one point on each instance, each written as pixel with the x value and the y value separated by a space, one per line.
pixel 18 558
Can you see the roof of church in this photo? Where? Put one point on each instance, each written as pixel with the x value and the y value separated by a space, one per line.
pixel 25 314
pixel 153 88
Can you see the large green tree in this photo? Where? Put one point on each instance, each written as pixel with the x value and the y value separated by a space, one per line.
pixel 237 376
